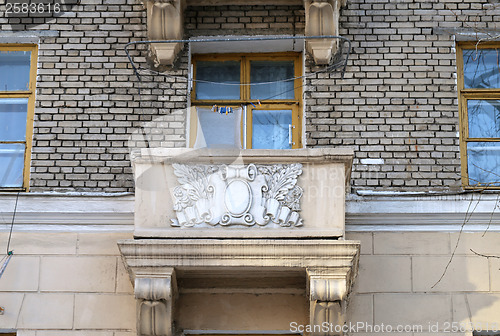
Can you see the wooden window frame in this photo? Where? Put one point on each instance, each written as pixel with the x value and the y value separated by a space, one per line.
pixel 271 104
pixel 30 94
pixel 471 94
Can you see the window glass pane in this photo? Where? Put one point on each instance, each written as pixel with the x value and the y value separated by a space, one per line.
pixel 270 129
pixel 13 114
pixel 218 130
pixel 271 71
pixel 11 165
pixel 227 72
pixel 481 68
pixel 484 118
pixel 14 70
pixel 483 163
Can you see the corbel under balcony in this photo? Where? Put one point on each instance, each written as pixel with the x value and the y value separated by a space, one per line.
pixel 329 266
pixel 322 18
pixel 165 21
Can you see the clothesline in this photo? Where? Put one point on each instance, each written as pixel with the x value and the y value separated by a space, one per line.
pixel 228 109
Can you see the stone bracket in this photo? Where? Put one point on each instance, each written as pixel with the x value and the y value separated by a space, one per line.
pixel 330 266
pixel 165 22
pixel 322 18
pixel 328 289
pixel 156 295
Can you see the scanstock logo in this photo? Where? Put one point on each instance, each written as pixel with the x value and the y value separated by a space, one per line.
pixel 28 14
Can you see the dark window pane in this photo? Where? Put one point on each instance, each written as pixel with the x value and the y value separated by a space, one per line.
pixel 481 68
pixel 483 163
pixel 227 72
pixel 270 129
pixel 15 70
pixel 11 165
pixel 13 114
pixel 271 71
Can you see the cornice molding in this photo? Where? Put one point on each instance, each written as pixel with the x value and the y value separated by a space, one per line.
pixel 290 253
pixel 66 212
pixel 422 213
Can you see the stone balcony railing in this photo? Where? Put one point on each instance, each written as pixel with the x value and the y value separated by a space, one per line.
pixel 249 193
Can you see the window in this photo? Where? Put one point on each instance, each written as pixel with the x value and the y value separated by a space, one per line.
pixel 17 104
pixel 262 92
pixel 479 102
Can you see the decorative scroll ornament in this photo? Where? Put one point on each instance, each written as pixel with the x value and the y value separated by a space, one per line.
pixel 155 304
pixel 237 195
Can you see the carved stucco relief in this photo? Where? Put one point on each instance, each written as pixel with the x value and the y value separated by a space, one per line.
pixel 248 195
pixel 155 303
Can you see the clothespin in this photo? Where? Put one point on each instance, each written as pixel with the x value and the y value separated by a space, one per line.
pixel 253 104
pixel 214 108
pixel 259 102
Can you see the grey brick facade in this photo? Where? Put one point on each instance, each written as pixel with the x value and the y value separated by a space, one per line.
pixel 398 101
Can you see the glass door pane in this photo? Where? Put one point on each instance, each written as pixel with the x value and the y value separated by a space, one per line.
pixel 271 129
pixel 218 130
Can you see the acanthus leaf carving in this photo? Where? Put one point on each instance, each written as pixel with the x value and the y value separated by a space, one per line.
pixel 245 195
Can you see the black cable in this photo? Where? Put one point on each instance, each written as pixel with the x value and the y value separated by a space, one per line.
pixel 12 224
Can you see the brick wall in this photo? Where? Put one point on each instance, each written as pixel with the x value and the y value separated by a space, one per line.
pixel 397 102
pixel 84 107
pixel 244 20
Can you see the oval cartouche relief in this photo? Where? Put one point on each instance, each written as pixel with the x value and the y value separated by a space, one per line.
pixel 238 197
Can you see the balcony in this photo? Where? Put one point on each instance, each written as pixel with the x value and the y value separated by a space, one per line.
pixel 226 224
pixel 239 194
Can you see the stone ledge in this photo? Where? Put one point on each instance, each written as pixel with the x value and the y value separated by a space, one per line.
pixel 272 253
pixel 244 156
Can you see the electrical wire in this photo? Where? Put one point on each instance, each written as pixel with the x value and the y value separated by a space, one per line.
pixel 241 39
pixel 12 224
pixel 263 99
pixel 6 259
pixel 153 72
